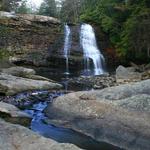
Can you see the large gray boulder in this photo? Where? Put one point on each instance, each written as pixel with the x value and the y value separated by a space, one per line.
pixel 127 75
pixel 113 115
pixel 12 114
pixel 24 72
pixel 16 137
pixel 10 85
pixel 119 92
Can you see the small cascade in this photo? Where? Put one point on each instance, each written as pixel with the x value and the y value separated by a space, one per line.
pixel 91 51
pixel 67 45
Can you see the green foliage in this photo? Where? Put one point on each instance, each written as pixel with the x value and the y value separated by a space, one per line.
pixel 126 22
pixel 4 31
pixel 18 6
pixel 4 53
pixel 70 10
pixel 48 8
pixel 23 9
pixel 9 5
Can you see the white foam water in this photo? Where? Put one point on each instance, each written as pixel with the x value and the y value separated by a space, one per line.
pixel 90 49
pixel 67 44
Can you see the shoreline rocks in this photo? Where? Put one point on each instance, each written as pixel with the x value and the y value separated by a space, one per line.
pixel 127 75
pixel 19 79
pixel 26 100
pixel 134 73
pixel 95 82
pixel 12 114
pixel 123 75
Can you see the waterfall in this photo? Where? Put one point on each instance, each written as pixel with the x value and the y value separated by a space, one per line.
pixel 90 49
pixel 67 44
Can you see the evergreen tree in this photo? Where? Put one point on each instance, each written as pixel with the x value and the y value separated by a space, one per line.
pixel 48 8
pixel 70 11
pixel 9 5
pixel 22 8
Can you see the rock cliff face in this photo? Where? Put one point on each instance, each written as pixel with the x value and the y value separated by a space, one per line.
pixel 28 37
pixel 37 40
pixel 76 52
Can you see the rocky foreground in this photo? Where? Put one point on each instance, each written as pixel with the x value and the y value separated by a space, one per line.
pixel 117 115
pixel 13 136
pixel 16 137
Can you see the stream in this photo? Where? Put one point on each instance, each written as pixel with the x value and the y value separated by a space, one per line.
pixel 62 135
pixel 59 134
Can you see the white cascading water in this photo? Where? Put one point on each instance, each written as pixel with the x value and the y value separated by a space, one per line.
pixel 90 49
pixel 67 44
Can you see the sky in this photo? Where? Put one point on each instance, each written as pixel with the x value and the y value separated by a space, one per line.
pixel 35 3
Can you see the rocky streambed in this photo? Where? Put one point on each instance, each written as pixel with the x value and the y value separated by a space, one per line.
pixel 36 93
pixel 32 116
pixel 114 117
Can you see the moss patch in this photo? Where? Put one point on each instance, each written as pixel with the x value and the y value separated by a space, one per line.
pixel 4 30
pixel 4 53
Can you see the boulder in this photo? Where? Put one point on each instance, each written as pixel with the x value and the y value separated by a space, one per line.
pixel 113 115
pixel 24 72
pixel 12 114
pixel 5 64
pixel 146 74
pixel 19 71
pixel 127 75
pixel 120 92
pixel 10 85
pixel 16 137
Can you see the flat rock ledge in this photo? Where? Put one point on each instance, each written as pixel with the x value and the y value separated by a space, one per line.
pixel 10 85
pixel 30 17
pixel 16 137
pixel 117 115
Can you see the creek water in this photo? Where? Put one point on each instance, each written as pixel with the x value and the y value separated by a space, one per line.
pixel 67 45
